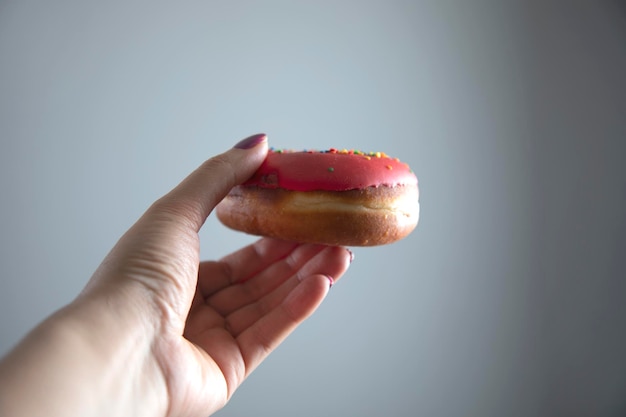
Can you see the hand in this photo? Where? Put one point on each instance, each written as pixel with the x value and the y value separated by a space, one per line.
pixel 156 332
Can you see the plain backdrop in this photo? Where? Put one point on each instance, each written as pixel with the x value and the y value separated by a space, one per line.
pixel 509 299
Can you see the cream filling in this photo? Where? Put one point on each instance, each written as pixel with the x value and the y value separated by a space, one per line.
pixel 405 208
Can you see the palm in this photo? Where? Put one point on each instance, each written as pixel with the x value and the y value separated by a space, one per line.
pixel 244 306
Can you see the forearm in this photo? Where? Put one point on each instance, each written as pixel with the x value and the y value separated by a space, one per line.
pixel 73 365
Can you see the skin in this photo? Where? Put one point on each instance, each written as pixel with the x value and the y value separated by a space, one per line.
pixel 156 332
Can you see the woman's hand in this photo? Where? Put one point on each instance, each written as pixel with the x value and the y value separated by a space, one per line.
pixel 156 332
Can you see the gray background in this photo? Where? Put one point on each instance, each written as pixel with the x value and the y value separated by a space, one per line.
pixel 510 297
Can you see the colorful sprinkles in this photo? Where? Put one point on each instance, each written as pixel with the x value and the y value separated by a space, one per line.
pixel 366 155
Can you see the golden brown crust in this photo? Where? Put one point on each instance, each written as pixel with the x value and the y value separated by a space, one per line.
pixel 365 217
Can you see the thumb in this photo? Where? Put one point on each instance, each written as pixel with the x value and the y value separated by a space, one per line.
pixel 198 194
pixel 163 242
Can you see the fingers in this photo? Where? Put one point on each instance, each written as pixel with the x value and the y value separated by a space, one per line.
pixel 260 339
pixel 266 280
pixel 196 196
pixel 241 265
pixel 258 301
pixel 248 283
pixel 301 261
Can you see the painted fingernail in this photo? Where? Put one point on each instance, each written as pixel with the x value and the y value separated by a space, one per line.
pixel 351 255
pixel 332 281
pixel 252 141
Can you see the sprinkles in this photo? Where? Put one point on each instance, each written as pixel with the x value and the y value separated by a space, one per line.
pixel 368 155
pixel 334 169
pixel 365 155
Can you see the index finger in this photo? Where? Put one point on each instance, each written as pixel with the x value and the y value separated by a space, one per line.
pixel 242 264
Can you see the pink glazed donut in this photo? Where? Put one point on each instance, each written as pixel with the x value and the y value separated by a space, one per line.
pixel 332 197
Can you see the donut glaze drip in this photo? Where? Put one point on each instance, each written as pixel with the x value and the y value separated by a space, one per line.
pixel 330 170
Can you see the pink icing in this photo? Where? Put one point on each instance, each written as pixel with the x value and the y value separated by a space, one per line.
pixel 332 170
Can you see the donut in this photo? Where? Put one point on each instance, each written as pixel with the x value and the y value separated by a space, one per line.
pixel 331 197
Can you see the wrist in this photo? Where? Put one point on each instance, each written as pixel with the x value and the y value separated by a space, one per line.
pixel 89 359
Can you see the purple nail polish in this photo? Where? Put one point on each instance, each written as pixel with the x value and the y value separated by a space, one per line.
pixel 332 281
pixel 252 141
pixel 351 255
